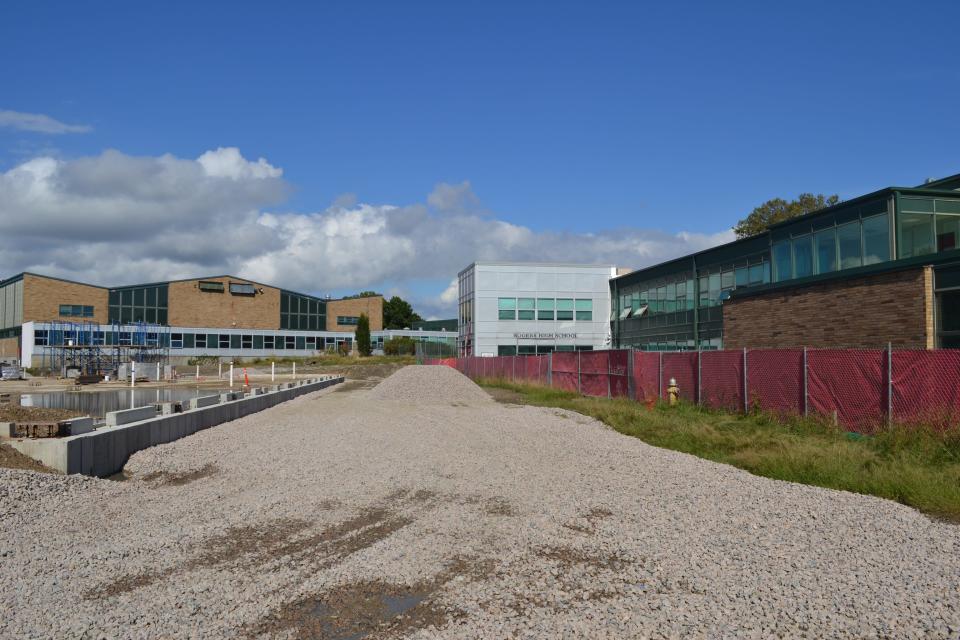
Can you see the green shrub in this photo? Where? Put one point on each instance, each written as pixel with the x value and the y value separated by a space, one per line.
pixel 401 346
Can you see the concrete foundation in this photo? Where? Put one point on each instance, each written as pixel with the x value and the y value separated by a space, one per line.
pixel 103 452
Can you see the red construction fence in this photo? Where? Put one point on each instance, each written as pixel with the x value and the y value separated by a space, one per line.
pixel 862 389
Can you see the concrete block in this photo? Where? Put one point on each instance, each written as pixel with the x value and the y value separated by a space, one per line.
pixel 204 401
pixel 115 418
pixel 76 426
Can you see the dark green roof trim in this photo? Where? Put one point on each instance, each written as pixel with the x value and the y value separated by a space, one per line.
pixel 881 267
pixel 950 182
pixel 12 279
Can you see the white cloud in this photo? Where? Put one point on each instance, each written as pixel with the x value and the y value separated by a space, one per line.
pixel 116 219
pixel 39 123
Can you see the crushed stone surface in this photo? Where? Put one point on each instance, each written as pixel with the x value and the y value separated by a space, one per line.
pixel 417 510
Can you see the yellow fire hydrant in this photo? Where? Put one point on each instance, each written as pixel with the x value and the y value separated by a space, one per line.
pixel 673 392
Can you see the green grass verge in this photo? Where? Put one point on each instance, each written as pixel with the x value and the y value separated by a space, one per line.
pixel 915 467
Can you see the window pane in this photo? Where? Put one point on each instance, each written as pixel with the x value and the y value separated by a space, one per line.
pixel 565 304
pixel 848 237
pixel 284 303
pixel 545 304
pixel 755 275
pixel 138 297
pixel 508 314
pixel 66 309
pixel 526 314
pixel 802 257
pixel 876 239
pixel 127 297
pixel 584 305
pixel 714 288
pixel 742 277
pixel 826 242
pixel 916 205
pixel 152 297
pixel 526 303
pixel 726 280
pixel 915 235
pixel 947 228
pixel 782 261
pixel 301 342
pixel 506 303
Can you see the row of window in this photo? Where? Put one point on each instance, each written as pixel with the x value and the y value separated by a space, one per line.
pixel 254 341
pixel 302 313
pixel 139 304
pixel 845 246
pixel 348 320
pixel 682 296
pixel 76 311
pixel 45 337
pixel 236 288
pixel 559 309
pixel 538 349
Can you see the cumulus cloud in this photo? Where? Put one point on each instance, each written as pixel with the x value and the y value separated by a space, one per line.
pixel 117 219
pixel 38 123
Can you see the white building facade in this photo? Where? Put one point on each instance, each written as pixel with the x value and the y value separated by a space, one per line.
pixel 529 308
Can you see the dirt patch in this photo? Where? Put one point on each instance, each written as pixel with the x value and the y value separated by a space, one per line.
pixel 354 385
pixel 163 478
pixel 15 413
pixel 567 557
pixel 505 396
pixel 279 541
pixel 500 506
pixel 374 608
pixel 587 523
pixel 10 458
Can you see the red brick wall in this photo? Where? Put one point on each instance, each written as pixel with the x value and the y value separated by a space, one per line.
pixel 869 311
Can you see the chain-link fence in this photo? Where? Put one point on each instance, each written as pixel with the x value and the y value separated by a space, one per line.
pixel 860 389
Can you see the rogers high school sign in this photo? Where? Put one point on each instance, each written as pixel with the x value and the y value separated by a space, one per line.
pixel 545 336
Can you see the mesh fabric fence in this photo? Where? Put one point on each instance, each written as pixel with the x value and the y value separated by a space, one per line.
pixel 926 388
pixel 721 380
pixel 850 384
pixel 565 370
pixel 595 373
pixel 619 362
pixel 775 381
pixel 646 376
pixel 681 367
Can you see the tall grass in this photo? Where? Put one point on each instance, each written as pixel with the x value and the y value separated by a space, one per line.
pixel 917 467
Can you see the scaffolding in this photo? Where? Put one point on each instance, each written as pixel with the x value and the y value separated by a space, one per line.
pixel 99 350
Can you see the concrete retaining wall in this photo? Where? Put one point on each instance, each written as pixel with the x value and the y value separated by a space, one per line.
pixel 126 416
pixel 103 452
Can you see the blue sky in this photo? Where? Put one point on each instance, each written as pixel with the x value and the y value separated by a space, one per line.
pixel 567 120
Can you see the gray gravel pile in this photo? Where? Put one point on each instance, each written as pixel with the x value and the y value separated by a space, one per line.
pixel 327 515
pixel 421 384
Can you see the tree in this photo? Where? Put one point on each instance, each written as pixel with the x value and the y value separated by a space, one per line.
pixel 398 314
pixel 363 335
pixel 778 210
pixel 362 294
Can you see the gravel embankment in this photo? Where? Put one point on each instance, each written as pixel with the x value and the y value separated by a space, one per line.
pixel 326 515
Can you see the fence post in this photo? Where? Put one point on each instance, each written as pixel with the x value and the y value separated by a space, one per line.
pixel 699 375
pixel 550 369
pixel 608 374
pixel 578 371
pixel 660 377
pixel 514 368
pixel 746 395
pixel 630 386
pixel 806 404
pixel 889 384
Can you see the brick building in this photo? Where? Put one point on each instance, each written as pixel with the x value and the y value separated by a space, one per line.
pixel 222 316
pixel 881 268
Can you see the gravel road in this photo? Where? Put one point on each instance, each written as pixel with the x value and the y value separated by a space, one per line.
pixel 423 509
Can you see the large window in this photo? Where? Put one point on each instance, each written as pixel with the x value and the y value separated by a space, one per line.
pixel 782 261
pixel 526 308
pixel 545 309
pixel 826 243
pixel 242 289
pixel 584 310
pixel 302 313
pixel 139 304
pixel 848 243
pixel 507 308
pixel 876 239
pixel 802 256
pixel 348 320
pixel 915 235
pixel 76 311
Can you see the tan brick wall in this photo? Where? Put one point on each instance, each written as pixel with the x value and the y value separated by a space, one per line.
pixel 869 311
pixel 372 306
pixel 42 298
pixel 9 348
pixel 188 306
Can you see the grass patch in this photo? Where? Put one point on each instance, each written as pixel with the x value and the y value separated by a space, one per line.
pixel 916 467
